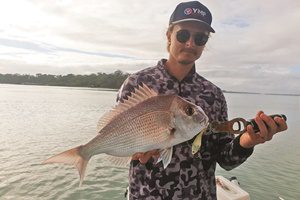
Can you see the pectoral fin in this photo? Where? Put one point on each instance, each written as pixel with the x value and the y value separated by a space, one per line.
pixel 165 156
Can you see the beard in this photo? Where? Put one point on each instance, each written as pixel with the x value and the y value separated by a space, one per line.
pixel 185 62
pixel 190 58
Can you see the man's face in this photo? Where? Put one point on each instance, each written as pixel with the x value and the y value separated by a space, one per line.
pixel 185 52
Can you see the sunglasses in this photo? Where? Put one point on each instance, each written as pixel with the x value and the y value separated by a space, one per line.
pixel 184 35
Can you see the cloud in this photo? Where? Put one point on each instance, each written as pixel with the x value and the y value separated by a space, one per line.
pixel 255 45
pixel 254 79
pixel 24 45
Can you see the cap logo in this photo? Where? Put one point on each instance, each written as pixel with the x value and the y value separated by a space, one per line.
pixel 189 11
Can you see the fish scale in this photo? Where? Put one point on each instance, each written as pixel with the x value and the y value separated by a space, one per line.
pixel 138 132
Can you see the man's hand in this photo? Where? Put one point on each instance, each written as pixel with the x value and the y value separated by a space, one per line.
pixel 268 128
pixel 144 157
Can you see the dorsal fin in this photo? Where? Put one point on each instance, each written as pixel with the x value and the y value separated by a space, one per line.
pixel 140 94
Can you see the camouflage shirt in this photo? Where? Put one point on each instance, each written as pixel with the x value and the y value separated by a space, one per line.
pixel 188 176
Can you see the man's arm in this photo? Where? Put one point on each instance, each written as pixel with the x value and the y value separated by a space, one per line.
pixel 234 152
pixel 230 152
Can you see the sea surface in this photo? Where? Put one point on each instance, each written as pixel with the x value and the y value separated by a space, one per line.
pixel 39 121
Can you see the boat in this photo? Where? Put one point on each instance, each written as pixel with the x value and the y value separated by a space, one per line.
pixel 230 189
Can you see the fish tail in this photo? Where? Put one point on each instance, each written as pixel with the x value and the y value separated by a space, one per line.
pixel 71 157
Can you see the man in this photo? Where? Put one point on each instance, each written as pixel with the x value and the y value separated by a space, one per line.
pixel 188 176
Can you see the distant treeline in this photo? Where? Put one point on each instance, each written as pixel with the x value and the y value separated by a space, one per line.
pixel 101 80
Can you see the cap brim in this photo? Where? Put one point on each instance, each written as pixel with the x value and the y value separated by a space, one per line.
pixel 206 25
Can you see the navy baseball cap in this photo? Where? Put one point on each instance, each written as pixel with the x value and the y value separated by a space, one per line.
pixel 192 11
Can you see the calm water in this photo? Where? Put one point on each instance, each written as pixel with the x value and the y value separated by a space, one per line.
pixel 37 122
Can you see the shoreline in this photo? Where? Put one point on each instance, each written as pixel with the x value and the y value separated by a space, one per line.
pixel 116 89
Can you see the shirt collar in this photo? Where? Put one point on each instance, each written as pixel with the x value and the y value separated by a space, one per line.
pixel 189 76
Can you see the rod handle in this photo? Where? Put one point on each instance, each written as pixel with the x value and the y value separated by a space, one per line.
pixel 255 126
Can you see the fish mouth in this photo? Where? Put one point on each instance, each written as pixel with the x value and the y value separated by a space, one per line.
pixel 204 124
pixel 203 120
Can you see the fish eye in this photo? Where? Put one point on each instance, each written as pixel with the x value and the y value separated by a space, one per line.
pixel 189 111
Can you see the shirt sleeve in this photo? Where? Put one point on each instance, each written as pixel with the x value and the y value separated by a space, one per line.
pixel 127 88
pixel 230 153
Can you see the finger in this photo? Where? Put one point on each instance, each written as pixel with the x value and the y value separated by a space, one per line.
pixel 250 130
pixel 136 156
pixel 254 137
pixel 281 124
pixel 263 132
pixel 153 152
pixel 271 126
pixel 146 156
pixel 144 159
pixel 259 113
pixel 251 133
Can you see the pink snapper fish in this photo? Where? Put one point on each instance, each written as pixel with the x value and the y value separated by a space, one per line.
pixel 145 122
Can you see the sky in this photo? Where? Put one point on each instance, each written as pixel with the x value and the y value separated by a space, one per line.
pixel 256 46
